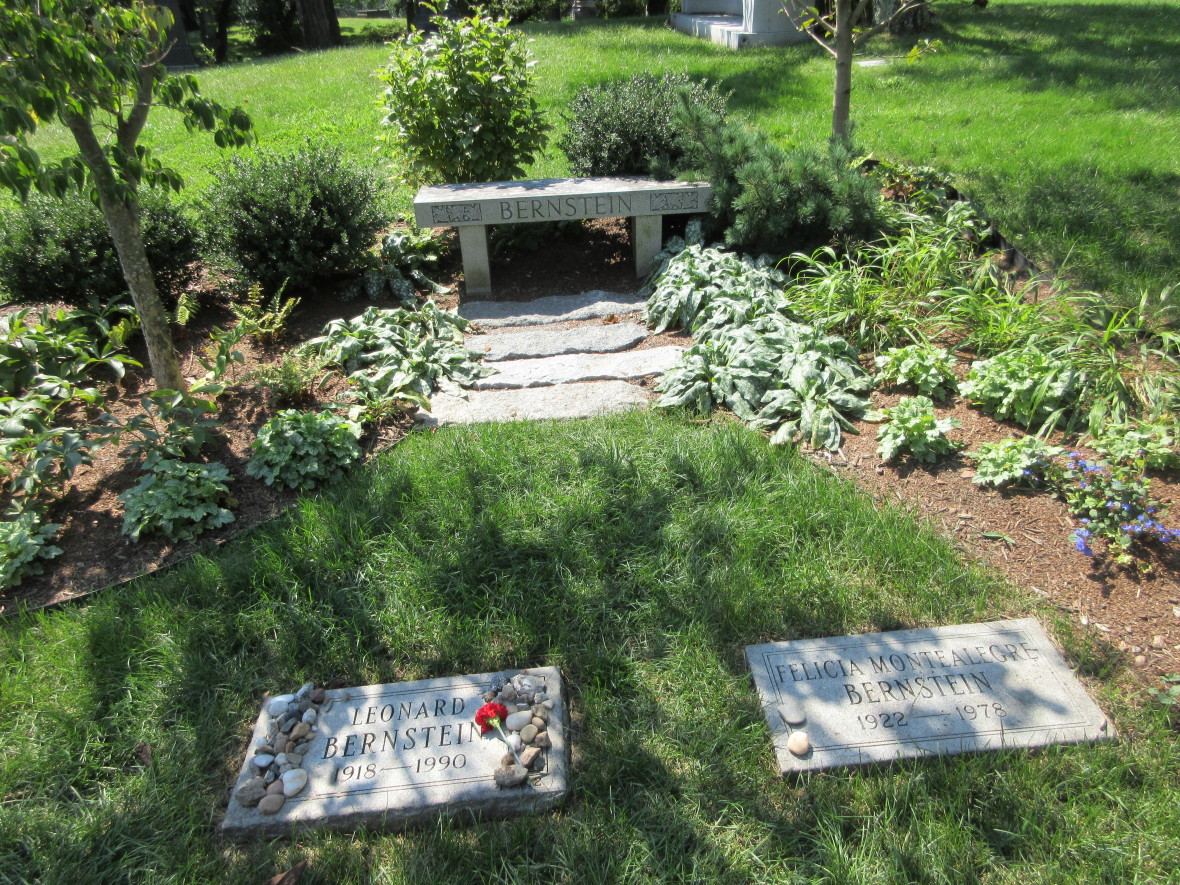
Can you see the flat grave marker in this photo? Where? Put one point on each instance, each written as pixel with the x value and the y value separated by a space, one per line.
pixel 857 700
pixel 387 756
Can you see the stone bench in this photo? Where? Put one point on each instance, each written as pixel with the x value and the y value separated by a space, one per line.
pixel 472 207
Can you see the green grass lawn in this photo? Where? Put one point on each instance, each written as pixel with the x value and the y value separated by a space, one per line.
pixel 640 554
pixel 1060 118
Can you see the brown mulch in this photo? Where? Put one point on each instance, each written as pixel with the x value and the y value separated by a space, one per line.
pixel 1025 536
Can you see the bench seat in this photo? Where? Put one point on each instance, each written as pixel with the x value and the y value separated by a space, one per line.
pixel 472 207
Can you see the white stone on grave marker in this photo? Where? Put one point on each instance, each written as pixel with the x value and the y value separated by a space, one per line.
pixel 387 756
pixel 855 700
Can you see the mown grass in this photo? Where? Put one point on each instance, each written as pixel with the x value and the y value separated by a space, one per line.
pixel 640 554
pixel 1060 118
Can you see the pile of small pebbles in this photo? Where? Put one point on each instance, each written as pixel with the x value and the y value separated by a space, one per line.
pixel 527 726
pixel 278 757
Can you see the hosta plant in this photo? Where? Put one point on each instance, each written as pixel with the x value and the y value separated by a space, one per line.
pixel 300 450
pixel 912 427
pixel 928 368
pixel 24 539
pixel 178 499
pixel 1027 460
pixel 1033 387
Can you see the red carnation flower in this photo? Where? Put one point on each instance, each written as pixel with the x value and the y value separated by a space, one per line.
pixel 490 716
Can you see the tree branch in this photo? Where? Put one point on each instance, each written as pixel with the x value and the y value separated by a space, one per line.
pixel 129 130
pixel 810 32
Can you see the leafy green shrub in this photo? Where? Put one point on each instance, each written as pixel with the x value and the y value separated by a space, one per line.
pixel 400 353
pixel 300 450
pixel 179 499
pixel 772 199
pixel 928 368
pixel 172 426
pixel 1029 386
pixel 621 8
pixel 911 427
pixel 622 126
pixel 38 463
pixel 23 540
pixel 54 353
pixel 61 250
pixel 382 32
pixel 294 217
pixel 1026 461
pixel 526 10
pixel 459 103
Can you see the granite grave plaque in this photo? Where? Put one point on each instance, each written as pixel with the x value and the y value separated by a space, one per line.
pixel 387 756
pixel 855 700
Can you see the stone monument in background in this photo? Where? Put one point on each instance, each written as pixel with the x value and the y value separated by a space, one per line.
pixel 740 24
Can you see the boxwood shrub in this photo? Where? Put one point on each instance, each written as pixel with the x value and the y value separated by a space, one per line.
pixel 299 217
pixel 61 250
pixel 628 127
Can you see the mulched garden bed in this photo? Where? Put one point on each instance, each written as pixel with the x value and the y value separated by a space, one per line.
pixel 1023 535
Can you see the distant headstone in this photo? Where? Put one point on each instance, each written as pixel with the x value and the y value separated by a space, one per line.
pixel 387 756
pixel 855 700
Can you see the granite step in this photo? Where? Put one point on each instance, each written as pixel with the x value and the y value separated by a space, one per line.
pixel 627 366
pixel 543 342
pixel 594 304
pixel 533 404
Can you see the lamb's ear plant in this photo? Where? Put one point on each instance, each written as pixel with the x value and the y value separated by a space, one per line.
pixel 912 427
pixel 927 368
pixel 1027 461
pixel 698 275
pixel 400 264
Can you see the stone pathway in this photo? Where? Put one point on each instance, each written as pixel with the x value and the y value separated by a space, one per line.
pixel 565 356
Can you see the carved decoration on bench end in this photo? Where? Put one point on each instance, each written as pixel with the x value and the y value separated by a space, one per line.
pixel 456 213
pixel 673 202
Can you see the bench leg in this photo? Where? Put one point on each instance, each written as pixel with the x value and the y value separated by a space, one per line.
pixel 473 245
pixel 647 241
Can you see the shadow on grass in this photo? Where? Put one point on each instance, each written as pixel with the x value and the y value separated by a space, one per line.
pixel 639 554
pixel 1127 55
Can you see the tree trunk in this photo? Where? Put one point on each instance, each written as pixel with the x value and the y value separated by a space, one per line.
pixel 123 220
pixel 317 18
pixel 842 98
pixel 223 15
pixel 122 217
pixel 913 22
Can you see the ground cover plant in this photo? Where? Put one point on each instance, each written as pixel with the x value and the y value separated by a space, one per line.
pixel 640 554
